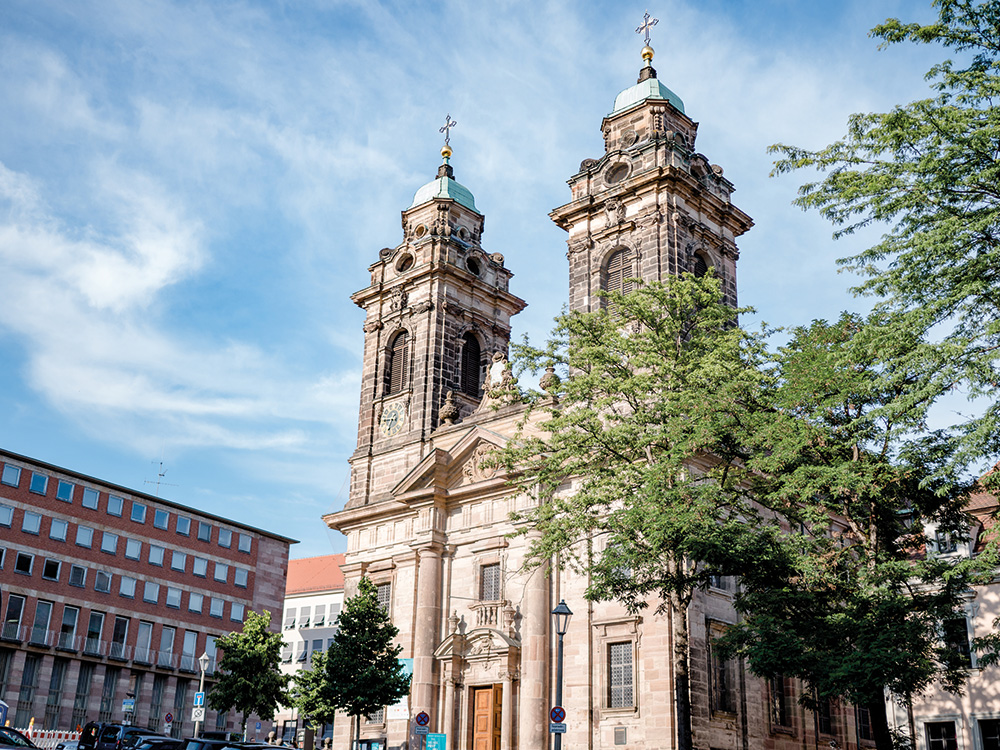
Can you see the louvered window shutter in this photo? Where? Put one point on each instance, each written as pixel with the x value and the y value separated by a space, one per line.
pixel 619 269
pixel 471 363
pixel 397 363
pixel 700 266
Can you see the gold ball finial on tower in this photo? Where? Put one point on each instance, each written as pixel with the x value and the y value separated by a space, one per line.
pixel 446 151
pixel 647 53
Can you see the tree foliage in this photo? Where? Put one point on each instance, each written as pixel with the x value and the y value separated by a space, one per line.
pixel 249 677
pixel 853 600
pixel 312 692
pixel 929 172
pixel 649 430
pixel 360 672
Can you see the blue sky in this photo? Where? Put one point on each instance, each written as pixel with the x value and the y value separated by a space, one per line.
pixel 190 191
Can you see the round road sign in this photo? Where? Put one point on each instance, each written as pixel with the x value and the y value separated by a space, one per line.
pixel 168 718
pixel 423 719
pixel 557 714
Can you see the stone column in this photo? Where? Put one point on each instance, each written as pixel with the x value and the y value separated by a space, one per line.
pixel 426 623
pixel 506 709
pixel 447 722
pixel 534 697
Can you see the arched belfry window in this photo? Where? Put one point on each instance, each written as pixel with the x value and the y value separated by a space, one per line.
pixel 618 270
pixel 700 265
pixel 396 362
pixel 471 365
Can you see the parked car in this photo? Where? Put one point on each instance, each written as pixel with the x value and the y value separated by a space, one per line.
pixel 115 736
pixel 157 742
pixel 68 745
pixel 12 738
pixel 133 735
pixel 90 734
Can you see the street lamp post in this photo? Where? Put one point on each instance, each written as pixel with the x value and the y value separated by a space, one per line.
pixel 203 661
pixel 560 620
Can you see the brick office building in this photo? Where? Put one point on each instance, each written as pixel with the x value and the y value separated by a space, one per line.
pixel 107 593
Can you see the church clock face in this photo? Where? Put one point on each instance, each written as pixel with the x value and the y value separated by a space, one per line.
pixel 392 419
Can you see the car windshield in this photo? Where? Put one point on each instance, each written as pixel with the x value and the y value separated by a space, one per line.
pixel 12 737
pixel 110 733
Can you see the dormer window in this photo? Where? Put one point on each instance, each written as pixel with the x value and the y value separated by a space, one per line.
pixel 396 361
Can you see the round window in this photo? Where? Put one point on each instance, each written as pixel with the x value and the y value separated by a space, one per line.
pixel 616 173
pixel 405 263
pixel 473 265
pixel 420 230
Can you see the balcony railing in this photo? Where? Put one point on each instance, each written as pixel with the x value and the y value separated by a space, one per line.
pixel 166 659
pixel 69 642
pixel 189 663
pixel 144 655
pixel 119 651
pixel 95 647
pixel 490 614
pixel 13 631
pixel 41 637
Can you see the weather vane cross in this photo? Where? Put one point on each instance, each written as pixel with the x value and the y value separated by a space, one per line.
pixel 446 129
pixel 647 24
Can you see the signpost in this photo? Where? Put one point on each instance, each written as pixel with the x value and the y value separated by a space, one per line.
pixel 128 705
pixel 198 713
pixel 168 722
pixel 199 699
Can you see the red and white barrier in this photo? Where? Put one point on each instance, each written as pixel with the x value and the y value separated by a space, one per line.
pixel 47 739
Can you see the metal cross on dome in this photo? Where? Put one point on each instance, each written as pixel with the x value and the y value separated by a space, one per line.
pixel 446 129
pixel 647 24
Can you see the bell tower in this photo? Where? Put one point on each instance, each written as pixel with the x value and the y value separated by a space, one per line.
pixel 652 205
pixel 437 309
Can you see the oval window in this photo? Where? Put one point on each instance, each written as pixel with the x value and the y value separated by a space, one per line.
pixel 405 263
pixel 617 173
pixel 473 265
pixel 421 230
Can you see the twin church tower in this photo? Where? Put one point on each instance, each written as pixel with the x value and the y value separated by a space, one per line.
pixel 428 524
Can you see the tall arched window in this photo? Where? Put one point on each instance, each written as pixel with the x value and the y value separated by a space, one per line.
pixel 471 365
pixel 618 270
pixel 700 265
pixel 396 362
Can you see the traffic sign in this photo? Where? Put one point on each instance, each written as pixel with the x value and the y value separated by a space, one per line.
pixel 169 718
pixel 423 719
pixel 421 730
pixel 557 714
pixel 435 742
pixel 556 728
pixel 199 699
pixel 128 705
pixel 198 713
pixel 258 726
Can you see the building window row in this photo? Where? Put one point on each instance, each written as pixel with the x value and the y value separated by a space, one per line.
pixel 90 499
pixel 311 617
pixel 109 543
pixel 128 586
pixel 73 633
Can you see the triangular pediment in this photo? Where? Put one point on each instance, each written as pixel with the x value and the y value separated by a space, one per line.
pixel 444 470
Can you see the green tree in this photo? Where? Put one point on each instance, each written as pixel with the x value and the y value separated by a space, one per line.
pixel 648 429
pixel 362 669
pixel 249 676
pixel 929 172
pixel 312 692
pixel 854 599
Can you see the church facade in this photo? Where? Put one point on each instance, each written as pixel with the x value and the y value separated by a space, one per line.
pixel 429 524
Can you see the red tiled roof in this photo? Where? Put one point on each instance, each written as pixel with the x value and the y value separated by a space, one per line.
pixel 312 574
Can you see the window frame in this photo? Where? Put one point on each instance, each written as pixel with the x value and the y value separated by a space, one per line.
pixel 91 498
pixel 151 592
pixel 159 513
pixel 102 576
pixel 59 523
pixel 11 475
pixel 138 509
pixel 116 506
pixel 85 531
pixel 35 527
pixel 35 476
pixel 18 567
pixel 45 568
pixel 397 360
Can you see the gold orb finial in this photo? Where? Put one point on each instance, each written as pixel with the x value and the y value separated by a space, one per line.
pixel 446 151
pixel 647 53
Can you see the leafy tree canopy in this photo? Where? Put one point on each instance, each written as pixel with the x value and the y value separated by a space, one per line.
pixel 929 171
pixel 363 672
pixel 249 677
pixel 639 462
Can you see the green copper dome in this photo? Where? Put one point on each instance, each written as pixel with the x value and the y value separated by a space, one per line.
pixel 651 88
pixel 445 187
